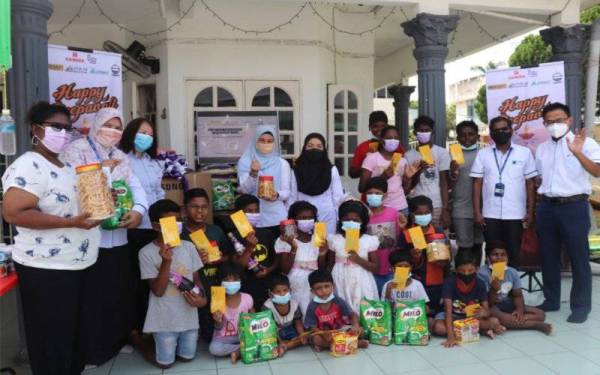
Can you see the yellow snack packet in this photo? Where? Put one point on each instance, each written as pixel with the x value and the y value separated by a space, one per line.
pixel 217 299
pixel 241 223
pixel 471 310
pixel 320 235
pixel 352 239
pixel 214 254
pixel 498 270
pixel 417 237
pixel 169 230
pixel 200 240
pixel 456 153
pixel 396 157
pixel 373 146
pixel 425 152
pixel 401 276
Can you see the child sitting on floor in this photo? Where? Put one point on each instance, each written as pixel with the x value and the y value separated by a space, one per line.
pixel 505 296
pixel 460 291
pixel 413 290
pixel 328 312
pixel 286 313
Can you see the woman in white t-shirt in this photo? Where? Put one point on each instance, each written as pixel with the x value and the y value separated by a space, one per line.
pixel 55 244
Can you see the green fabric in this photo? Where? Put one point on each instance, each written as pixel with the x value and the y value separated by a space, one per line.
pixel 5 55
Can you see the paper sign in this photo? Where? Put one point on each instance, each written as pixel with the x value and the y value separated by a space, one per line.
pixel 456 153
pixel 498 270
pixel 401 276
pixel 425 152
pixel 417 237
pixel 352 238
pixel 320 233
pixel 217 299
pixel 241 223
pixel 170 232
pixel 214 254
pixel 471 310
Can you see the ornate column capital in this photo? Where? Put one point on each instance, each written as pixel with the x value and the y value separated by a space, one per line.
pixel 430 29
pixel 566 39
pixel 401 92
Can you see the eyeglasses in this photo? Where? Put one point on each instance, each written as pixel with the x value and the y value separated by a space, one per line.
pixel 556 121
pixel 197 208
pixel 59 126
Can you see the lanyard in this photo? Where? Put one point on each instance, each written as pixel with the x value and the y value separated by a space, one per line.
pixel 93 146
pixel 500 170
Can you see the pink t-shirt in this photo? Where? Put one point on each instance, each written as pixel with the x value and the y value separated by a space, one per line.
pixel 377 164
pixel 232 317
pixel 384 225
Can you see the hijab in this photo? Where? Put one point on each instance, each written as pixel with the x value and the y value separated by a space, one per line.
pixel 270 164
pixel 313 176
pixel 102 116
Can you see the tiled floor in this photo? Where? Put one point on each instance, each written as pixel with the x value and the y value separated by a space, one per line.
pixel 571 349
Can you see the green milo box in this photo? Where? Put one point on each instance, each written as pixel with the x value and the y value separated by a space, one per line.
pixel 410 323
pixel 376 321
pixel 258 337
pixel 123 204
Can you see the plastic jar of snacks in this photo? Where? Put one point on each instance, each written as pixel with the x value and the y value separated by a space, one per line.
pixel 438 249
pixel 288 228
pixel 95 196
pixel 266 187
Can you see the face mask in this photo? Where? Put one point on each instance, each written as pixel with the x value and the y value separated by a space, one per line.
pixel 306 226
pixel 264 148
pixel 374 200
pixel 281 299
pixel 313 154
pixel 557 130
pixel 55 141
pixel 501 138
pixel 466 278
pixel 423 220
pixel 391 145
pixel 318 299
pixel 180 226
pixel 254 219
pixel 469 148
pixel 231 287
pixel 423 137
pixel 143 142
pixel 350 225
pixel 108 137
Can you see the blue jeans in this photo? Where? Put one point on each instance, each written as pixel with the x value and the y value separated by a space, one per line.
pixel 380 280
pixel 288 332
pixel 567 224
pixel 167 343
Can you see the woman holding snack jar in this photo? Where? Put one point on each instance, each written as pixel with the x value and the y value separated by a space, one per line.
pixel 264 173
pixel 109 307
pixel 56 246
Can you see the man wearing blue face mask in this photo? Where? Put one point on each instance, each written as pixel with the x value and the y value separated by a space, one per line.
pixel 565 163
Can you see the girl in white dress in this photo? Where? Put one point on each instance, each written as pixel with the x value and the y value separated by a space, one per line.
pixel 298 255
pixel 353 272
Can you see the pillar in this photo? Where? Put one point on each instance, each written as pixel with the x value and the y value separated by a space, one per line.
pixel 28 78
pixel 430 33
pixel 568 45
pixel 401 105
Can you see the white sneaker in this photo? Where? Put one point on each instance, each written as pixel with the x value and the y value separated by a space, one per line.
pixel 127 349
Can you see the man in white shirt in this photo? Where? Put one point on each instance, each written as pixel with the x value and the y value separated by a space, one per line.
pixel 565 163
pixel 503 179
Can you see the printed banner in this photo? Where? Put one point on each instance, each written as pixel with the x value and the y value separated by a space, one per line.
pixel 84 82
pixel 521 94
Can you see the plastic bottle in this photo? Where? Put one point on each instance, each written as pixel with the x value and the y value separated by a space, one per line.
pixel 239 248
pixel 183 283
pixel 8 140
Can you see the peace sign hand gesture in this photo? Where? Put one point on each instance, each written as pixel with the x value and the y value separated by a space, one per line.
pixel 576 145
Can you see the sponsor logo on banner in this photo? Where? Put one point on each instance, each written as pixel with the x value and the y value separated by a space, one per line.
pixel 57 67
pixel 99 71
pixel 91 59
pixel 557 77
pixel 115 69
pixel 498 86
pixel 516 74
pixel 517 85
pixel 540 83
pixel 75 58
pixel 532 73
pixel 76 69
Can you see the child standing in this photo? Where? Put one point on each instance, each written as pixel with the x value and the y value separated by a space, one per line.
pixel 172 316
pixel 299 256
pixel 460 291
pixel 286 313
pixel 328 312
pixel 383 224
pixel 353 271
pixel 505 296
pixel 226 341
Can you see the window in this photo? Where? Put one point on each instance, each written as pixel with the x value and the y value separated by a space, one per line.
pixel 345 128
pixel 470 109
pixel 147 102
pixel 214 97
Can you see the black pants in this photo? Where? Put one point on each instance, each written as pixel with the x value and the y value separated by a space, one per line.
pixel 107 305
pixel 507 231
pixel 137 239
pixel 52 313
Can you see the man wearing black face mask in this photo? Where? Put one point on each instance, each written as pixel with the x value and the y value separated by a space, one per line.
pixel 503 188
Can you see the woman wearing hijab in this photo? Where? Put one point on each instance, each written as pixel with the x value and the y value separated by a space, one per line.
pixel 107 311
pixel 262 158
pixel 317 181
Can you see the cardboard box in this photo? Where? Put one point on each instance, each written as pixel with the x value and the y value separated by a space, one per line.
pixel 174 188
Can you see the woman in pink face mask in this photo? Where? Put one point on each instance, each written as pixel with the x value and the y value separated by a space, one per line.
pixel 109 319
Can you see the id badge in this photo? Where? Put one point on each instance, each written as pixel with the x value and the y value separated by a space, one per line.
pixel 499 190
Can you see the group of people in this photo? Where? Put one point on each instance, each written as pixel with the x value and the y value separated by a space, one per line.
pixel 86 292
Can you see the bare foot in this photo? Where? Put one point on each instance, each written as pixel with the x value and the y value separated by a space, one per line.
pixel 233 357
pixel 316 348
pixel 282 349
pixel 545 328
pixel 499 329
pixel 490 333
pixel 363 344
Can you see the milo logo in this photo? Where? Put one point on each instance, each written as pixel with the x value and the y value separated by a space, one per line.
pixel 414 312
pixel 373 313
pixel 121 190
pixel 260 325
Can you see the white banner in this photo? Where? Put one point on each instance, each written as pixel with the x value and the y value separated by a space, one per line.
pixel 521 94
pixel 84 82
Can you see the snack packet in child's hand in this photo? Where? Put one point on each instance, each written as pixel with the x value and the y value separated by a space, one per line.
pixel 214 254
pixel 417 237
pixel 217 299
pixel 457 154
pixel 320 235
pixel 352 239
pixel 426 155
pixel 241 223
pixel 401 276
pixel 396 157
pixel 200 240
pixel 373 146
pixel 498 270
pixel 170 231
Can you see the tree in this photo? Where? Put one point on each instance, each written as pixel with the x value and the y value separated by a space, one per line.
pixel 450 118
pixel 531 51
pixel 589 15
pixel 481 104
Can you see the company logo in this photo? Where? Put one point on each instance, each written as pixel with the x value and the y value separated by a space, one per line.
pixel 532 73
pixel 115 69
pixel 74 57
pixel 373 313
pixel 76 69
pixel 497 87
pixel 57 67
pixel 260 325
pixel 91 59
pixel 516 74
pixel 540 83
pixel 99 71
pixel 122 191
pixel 557 77
pixel 517 85
pixel 415 312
